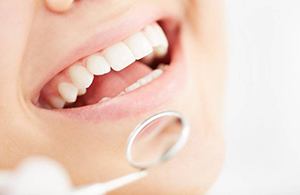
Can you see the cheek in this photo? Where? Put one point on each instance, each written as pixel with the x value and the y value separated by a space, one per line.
pixel 15 18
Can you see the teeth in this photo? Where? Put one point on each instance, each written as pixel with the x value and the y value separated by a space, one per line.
pixel 161 51
pixel 156 73
pixel 97 65
pixel 133 87
pixel 150 77
pixel 157 38
pixel 122 93
pixel 156 35
pixel 139 45
pixel 119 56
pixel 162 67
pixel 57 102
pixel 81 91
pixel 80 76
pixel 104 99
pixel 161 36
pixel 145 46
pixel 145 80
pixel 148 59
pixel 68 92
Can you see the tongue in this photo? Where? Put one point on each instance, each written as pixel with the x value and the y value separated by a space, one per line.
pixel 114 83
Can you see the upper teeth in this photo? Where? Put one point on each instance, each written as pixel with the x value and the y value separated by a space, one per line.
pixel 78 77
pixel 139 45
pixel 119 56
pixel 97 65
pixel 68 92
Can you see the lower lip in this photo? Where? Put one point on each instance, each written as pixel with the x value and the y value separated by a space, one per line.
pixel 143 100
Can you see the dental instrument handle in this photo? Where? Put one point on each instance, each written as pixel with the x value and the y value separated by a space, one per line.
pixel 102 188
pixel 125 180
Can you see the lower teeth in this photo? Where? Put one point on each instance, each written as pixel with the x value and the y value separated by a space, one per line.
pixel 141 82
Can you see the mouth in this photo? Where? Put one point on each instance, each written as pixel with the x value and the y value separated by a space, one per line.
pixel 130 76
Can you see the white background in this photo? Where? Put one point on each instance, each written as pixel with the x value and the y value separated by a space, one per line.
pixel 262 123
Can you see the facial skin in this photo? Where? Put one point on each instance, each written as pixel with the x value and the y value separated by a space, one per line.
pixel 33 39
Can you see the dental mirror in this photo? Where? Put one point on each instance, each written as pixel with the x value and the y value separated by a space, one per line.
pixel 154 141
pixel 157 139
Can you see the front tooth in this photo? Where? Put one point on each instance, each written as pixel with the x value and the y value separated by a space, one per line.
pixel 139 45
pixel 80 76
pixel 97 65
pixel 119 56
pixel 68 92
pixel 57 102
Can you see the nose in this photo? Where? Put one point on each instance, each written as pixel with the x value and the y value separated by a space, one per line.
pixel 59 5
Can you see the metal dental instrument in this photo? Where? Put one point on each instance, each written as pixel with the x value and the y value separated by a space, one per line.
pixel 103 188
pixel 152 142
pixel 166 131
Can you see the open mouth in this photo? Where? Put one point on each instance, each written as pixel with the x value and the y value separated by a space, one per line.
pixel 124 68
pixel 115 71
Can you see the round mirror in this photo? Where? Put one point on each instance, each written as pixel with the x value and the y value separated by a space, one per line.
pixel 157 139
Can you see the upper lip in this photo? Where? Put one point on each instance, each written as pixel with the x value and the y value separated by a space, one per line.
pixel 132 21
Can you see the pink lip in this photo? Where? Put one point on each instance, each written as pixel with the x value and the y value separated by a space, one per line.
pixel 143 100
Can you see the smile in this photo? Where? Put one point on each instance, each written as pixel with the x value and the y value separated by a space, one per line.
pixel 136 74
